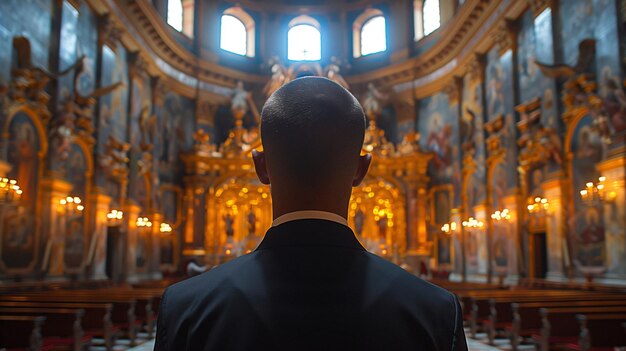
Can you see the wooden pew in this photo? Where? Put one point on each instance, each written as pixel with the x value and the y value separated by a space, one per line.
pixel 599 332
pixel 63 329
pixel 481 310
pixel 559 326
pixel 122 314
pixel 527 317
pixel 23 332
pixel 96 321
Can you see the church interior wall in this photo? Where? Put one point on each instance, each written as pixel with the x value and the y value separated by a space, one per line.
pixel 503 123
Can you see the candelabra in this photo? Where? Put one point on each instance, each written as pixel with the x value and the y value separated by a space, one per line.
pixel 165 228
pixel 114 218
pixel 144 222
pixel 598 192
pixel 538 206
pixel 449 228
pixel 503 215
pixel 473 223
pixel 10 192
pixel 71 206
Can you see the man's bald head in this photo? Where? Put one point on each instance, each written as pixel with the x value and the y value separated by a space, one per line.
pixel 312 131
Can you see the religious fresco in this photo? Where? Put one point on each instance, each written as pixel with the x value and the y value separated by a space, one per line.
pixel 25 18
pixel 178 128
pixel 536 43
pixel 80 34
pixel 142 130
pixel 587 228
pixel 472 119
pixel 19 224
pixel 598 19
pixel 503 232
pixel 114 106
pixel 170 207
pixel 75 241
pixel 438 127
pixel 499 77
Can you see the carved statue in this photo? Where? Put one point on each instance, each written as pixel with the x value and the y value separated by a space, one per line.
pixel 251 223
pixel 359 220
pixel 332 72
pixel 147 125
pixel 280 76
pixel 586 59
pixel 228 223
pixel 372 103
pixel 239 100
pixel 115 160
pixel 409 144
pixel 202 142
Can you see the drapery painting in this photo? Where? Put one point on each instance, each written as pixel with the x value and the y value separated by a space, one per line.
pixel 20 223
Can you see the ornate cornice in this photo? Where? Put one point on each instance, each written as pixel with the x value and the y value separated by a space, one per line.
pixel 188 73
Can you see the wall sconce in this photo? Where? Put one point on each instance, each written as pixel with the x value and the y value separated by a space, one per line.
pixel 72 205
pixel 143 222
pixel 472 223
pixel 9 190
pixel 114 218
pixel 165 228
pixel 449 228
pixel 504 215
pixel 598 192
pixel 538 206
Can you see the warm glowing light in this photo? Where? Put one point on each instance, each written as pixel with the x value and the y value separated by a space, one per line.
pixel 165 228
pixel 143 222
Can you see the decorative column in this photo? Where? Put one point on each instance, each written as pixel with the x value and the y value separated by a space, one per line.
pixel 557 250
pixel 155 246
pixel 53 224
pixel 510 202
pixel 614 170
pixel 131 213
pixel 480 213
pixel 96 258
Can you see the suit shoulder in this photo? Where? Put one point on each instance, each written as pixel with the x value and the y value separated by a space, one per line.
pixel 204 283
pixel 407 283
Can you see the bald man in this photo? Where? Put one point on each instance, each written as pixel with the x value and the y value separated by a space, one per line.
pixel 310 285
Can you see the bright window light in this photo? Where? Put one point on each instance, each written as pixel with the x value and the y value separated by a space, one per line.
pixel 233 36
pixel 373 36
pixel 175 14
pixel 304 43
pixel 432 19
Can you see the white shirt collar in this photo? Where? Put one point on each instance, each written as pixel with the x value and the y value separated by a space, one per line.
pixel 309 214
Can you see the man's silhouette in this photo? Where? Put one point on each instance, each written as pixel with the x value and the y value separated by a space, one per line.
pixel 310 285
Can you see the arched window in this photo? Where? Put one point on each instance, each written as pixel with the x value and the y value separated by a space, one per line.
pixel 180 15
pixel 426 17
pixel 175 14
pixel 432 17
pixel 237 32
pixel 304 42
pixel 369 34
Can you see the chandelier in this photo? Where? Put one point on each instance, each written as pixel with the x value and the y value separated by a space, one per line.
pixel 114 218
pixel 538 206
pixel 473 224
pixel 9 190
pixel 165 228
pixel 503 215
pixel 449 228
pixel 143 222
pixel 598 192
pixel 71 205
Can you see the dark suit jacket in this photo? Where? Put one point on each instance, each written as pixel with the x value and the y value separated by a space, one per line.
pixel 309 285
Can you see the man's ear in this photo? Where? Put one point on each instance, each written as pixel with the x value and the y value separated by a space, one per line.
pixel 361 171
pixel 260 166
